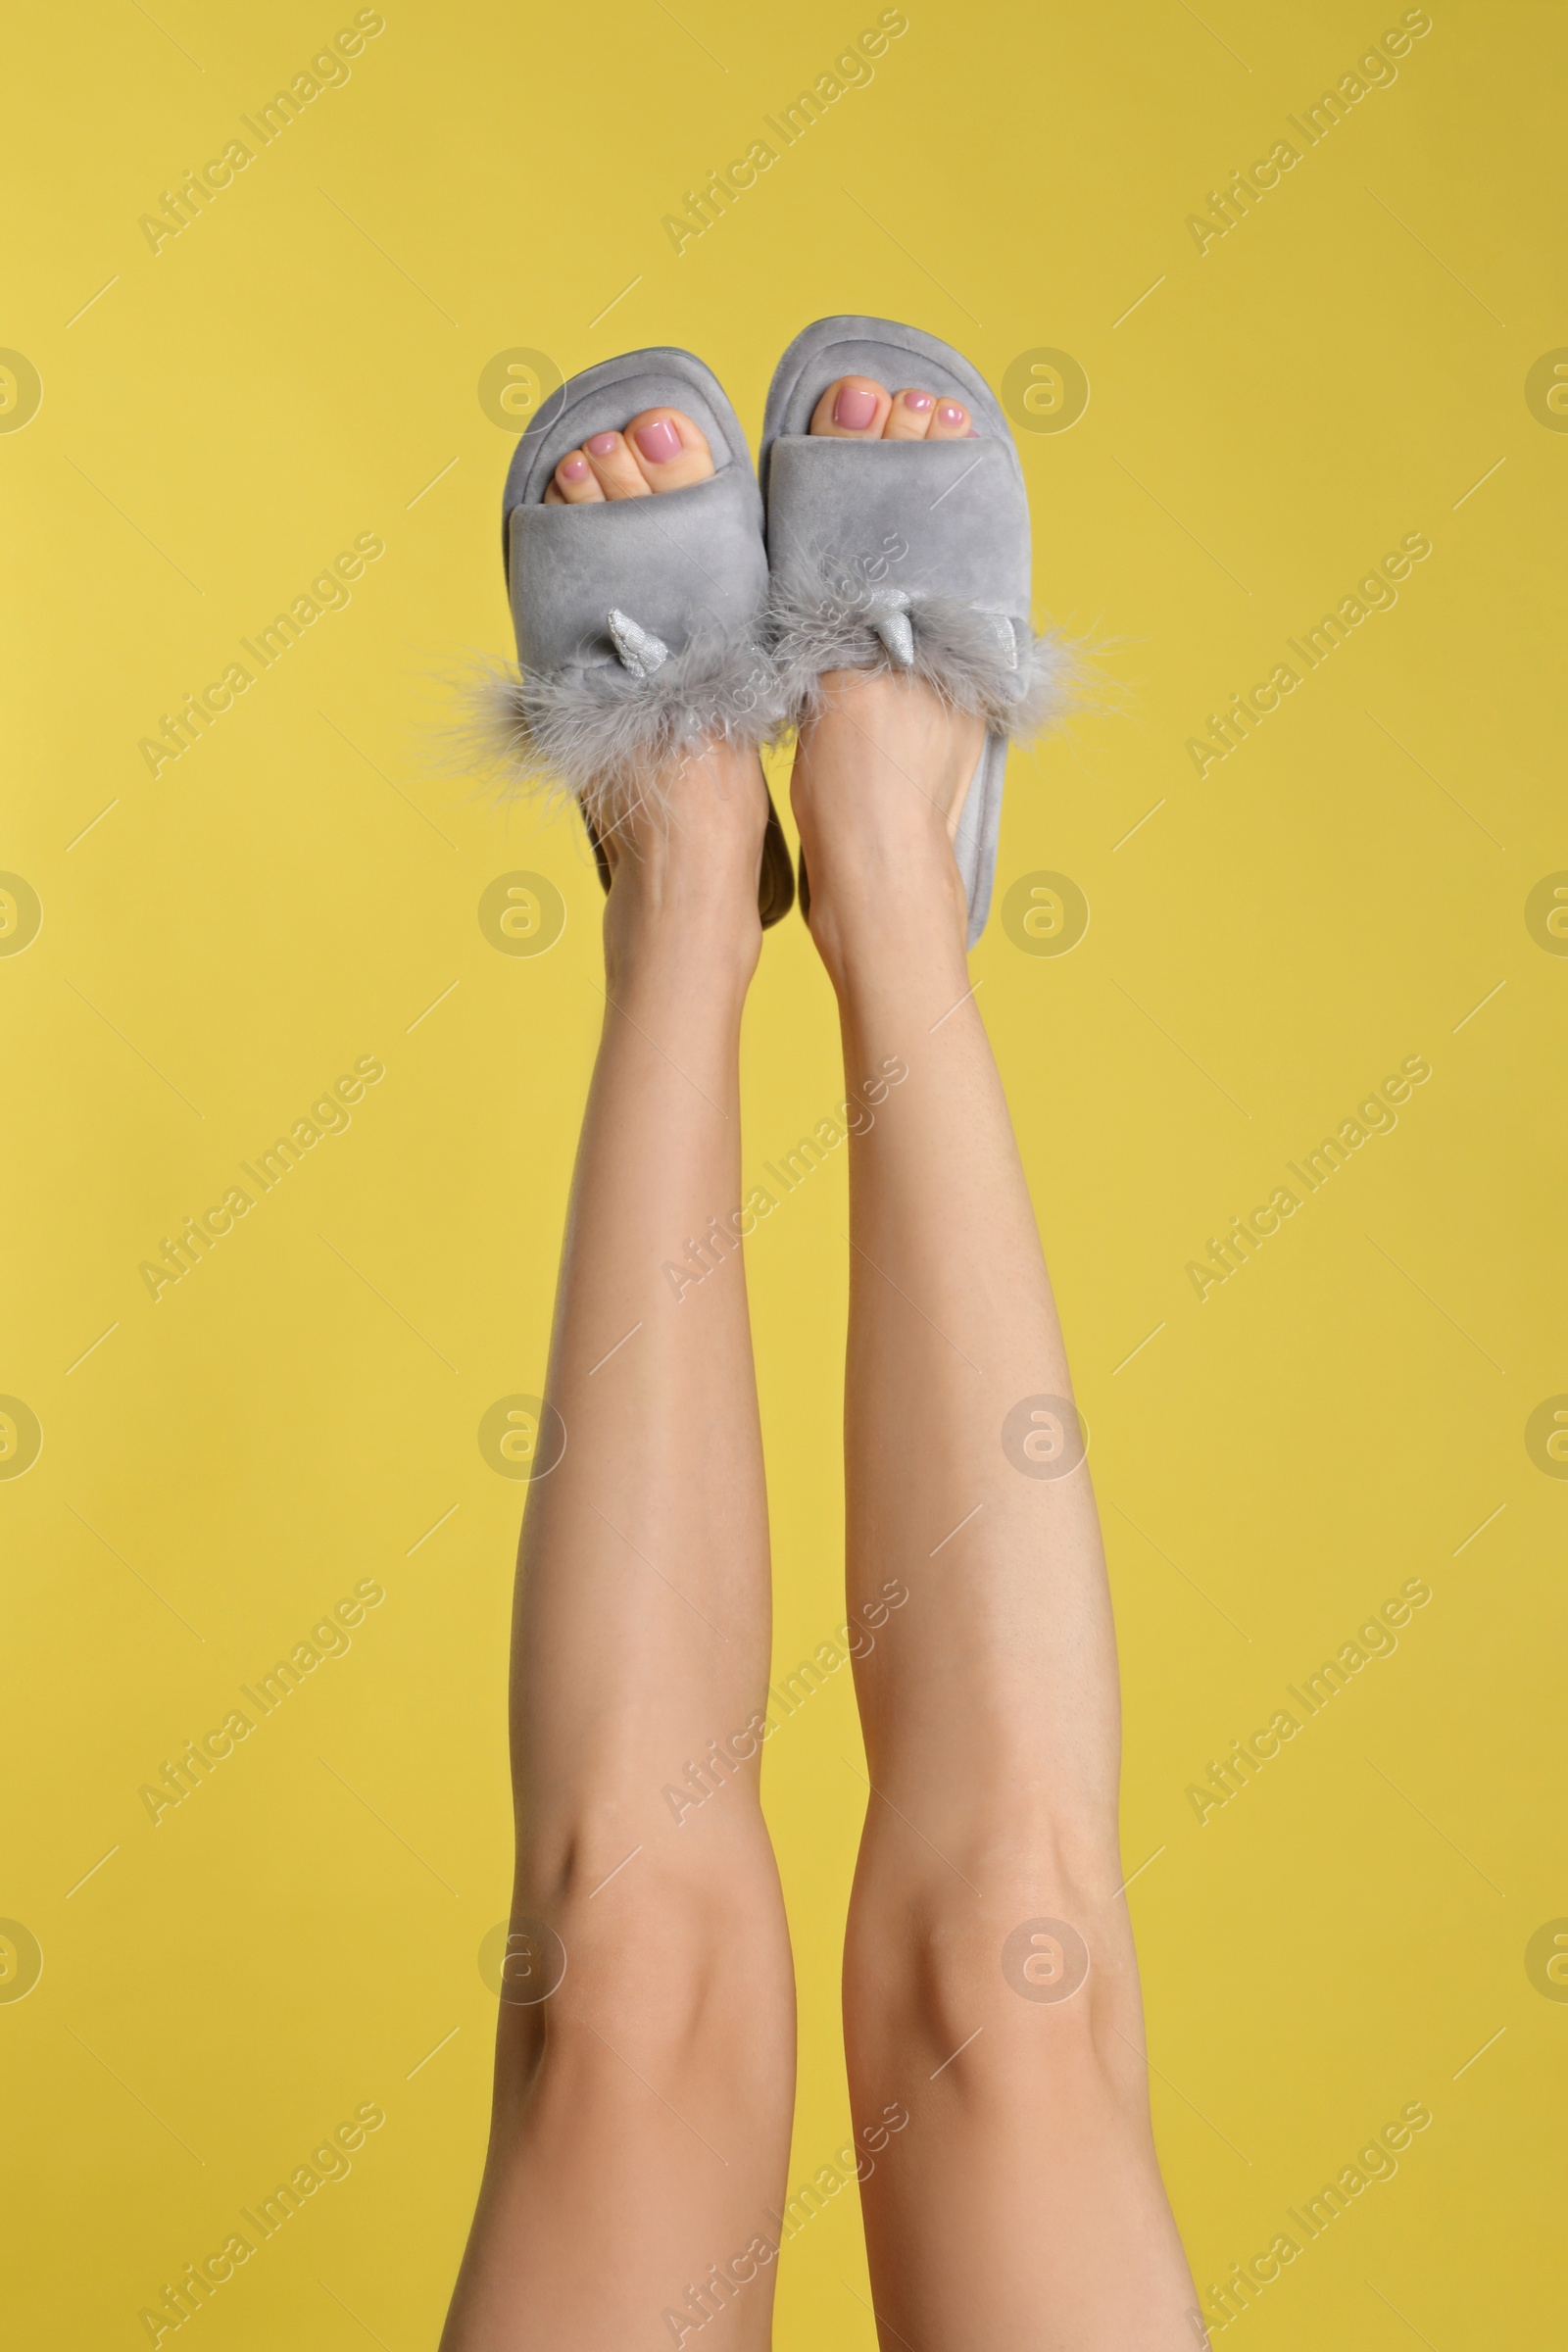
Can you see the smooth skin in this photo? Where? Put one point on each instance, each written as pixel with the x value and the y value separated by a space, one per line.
pixel 640 2138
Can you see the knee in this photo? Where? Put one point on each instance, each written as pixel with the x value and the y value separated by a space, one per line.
pixel 666 1959
pixel 1041 1959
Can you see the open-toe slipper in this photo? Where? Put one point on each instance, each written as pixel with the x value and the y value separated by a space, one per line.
pixel 906 556
pixel 640 620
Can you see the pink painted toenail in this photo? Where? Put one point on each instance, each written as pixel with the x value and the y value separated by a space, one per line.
pixel 574 469
pixel 658 441
pixel 602 444
pixel 950 412
pixel 854 408
pixel 918 400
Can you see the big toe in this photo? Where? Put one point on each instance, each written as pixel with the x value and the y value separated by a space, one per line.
pixel 668 451
pixel 854 408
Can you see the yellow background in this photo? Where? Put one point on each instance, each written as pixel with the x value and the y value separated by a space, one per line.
pixel 295 368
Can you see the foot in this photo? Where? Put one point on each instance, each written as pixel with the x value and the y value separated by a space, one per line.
pixel 658 450
pixel 683 861
pixel 881 778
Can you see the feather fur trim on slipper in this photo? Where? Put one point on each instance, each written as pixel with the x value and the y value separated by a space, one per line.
pixel 826 619
pixel 605 734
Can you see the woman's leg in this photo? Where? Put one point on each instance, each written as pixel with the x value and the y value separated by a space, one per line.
pixel 642 2110
pixel 1021 2203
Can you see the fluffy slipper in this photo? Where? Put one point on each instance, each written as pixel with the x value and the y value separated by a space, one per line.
pixel 640 621
pixel 908 556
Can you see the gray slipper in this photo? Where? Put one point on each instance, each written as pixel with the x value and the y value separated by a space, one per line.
pixel 639 621
pixel 906 556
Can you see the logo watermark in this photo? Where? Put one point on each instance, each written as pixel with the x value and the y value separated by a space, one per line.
pixel 514 385
pixel 1229 729
pixel 1045 1437
pixel 328 70
pixel 522 1436
pixel 1376 69
pixel 1377 1639
pixel 20 1436
pixel 1545 913
pixel 1045 391
pixel 198 2282
pixel 328 592
pixel 181 1253
pixel 1545 1959
pixel 20 914
pixel 523 913
pixel 1545 389
pixel 1546 1437
pixel 1045 913
pixel 20 1960
pixel 1230 1252
pixel 1044 1960
pixel 851 69
pixel 522 1961
pixel 20 391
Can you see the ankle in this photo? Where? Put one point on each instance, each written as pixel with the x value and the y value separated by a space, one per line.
pixel 890 922
pixel 674 940
pixel 880 784
pixel 684 872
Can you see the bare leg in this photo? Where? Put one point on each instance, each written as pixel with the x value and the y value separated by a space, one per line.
pixel 1021 2203
pixel 642 2111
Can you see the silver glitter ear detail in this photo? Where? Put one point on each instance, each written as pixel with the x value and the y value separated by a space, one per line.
pixel 1006 637
pixel 890 618
pixel 638 649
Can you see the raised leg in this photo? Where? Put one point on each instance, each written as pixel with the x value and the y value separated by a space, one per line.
pixel 990 1991
pixel 642 2106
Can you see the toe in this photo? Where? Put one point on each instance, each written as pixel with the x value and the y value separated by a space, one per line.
pixel 950 421
pixel 573 483
pixel 910 418
pixel 668 450
pixel 613 466
pixel 854 409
